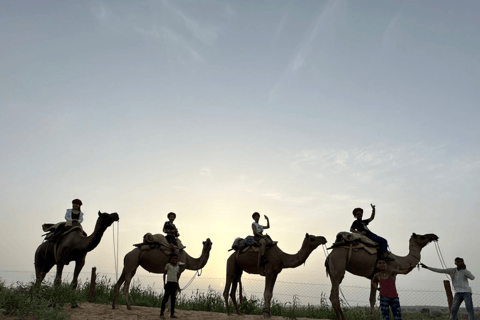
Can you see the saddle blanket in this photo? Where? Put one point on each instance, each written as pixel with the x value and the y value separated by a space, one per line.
pixel 358 241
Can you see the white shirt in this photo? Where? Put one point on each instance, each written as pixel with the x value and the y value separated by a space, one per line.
pixel 68 216
pixel 459 278
pixel 258 227
pixel 172 272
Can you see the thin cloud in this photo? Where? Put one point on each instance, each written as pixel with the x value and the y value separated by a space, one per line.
pixel 205 172
pixel 299 60
pixel 207 34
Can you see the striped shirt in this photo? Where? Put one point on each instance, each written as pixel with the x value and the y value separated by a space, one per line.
pixel 459 278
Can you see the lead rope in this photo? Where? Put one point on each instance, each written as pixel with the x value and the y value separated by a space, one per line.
pixel 115 252
pixel 199 272
pixel 442 262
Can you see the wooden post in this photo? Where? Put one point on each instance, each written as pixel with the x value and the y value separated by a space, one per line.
pixel 93 283
pixel 448 290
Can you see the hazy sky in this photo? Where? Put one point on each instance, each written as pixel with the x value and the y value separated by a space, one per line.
pixel 300 110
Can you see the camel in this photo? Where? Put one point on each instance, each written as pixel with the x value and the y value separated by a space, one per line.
pixel 154 261
pixel 278 260
pixel 72 246
pixel 361 263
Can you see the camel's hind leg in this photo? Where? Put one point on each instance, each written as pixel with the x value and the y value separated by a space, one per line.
pixel 116 289
pixel 336 269
pixel 232 279
pixel 130 265
pixel 126 286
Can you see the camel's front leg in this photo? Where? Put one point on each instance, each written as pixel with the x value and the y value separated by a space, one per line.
pixel 373 295
pixel 270 279
pixel 78 267
pixel 335 300
pixel 58 276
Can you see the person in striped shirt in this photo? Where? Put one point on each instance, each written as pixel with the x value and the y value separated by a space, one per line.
pixel 463 292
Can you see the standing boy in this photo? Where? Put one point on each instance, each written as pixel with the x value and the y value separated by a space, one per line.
pixel 463 292
pixel 171 273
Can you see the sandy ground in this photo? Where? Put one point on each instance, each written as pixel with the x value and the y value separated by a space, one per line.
pixel 91 311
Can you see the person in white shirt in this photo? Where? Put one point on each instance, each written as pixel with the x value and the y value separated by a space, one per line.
pixel 259 237
pixel 171 274
pixel 463 292
pixel 74 216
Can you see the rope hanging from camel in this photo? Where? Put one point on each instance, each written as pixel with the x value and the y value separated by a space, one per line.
pixel 440 257
pixel 115 252
pixel 199 272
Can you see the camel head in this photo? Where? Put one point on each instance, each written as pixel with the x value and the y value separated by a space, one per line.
pixel 106 219
pixel 422 240
pixel 313 242
pixel 207 245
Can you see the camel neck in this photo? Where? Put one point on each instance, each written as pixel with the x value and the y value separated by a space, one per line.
pixel 92 241
pixel 196 263
pixel 294 260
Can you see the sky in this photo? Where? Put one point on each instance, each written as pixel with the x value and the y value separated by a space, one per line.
pixel 300 110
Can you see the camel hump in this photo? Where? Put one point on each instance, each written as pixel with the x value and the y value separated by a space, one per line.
pixel 54 237
pixel 156 240
pixel 345 237
pixel 250 243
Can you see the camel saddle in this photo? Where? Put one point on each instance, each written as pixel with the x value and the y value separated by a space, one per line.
pixel 250 244
pixel 50 228
pixel 153 241
pixel 355 241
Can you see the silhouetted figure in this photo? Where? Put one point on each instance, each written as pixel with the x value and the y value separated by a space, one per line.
pixel 463 292
pixel 360 226
pixel 388 292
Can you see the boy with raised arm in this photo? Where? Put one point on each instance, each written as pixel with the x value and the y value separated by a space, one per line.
pixel 360 226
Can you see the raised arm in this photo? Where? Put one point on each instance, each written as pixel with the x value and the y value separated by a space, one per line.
pixel 268 223
pixel 373 213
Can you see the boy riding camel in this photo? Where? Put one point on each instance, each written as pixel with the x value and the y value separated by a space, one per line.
pixel 172 232
pixel 360 226
pixel 260 238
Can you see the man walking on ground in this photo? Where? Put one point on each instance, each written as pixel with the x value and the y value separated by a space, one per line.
pixel 460 276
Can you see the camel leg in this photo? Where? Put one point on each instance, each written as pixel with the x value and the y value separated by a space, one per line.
pixel 373 296
pixel 229 279
pixel 116 289
pixel 233 292
pixel 126 286
pixel 78 267
pixel 337 272
pixel 267 296
pixel 58 276
pixel 42 265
